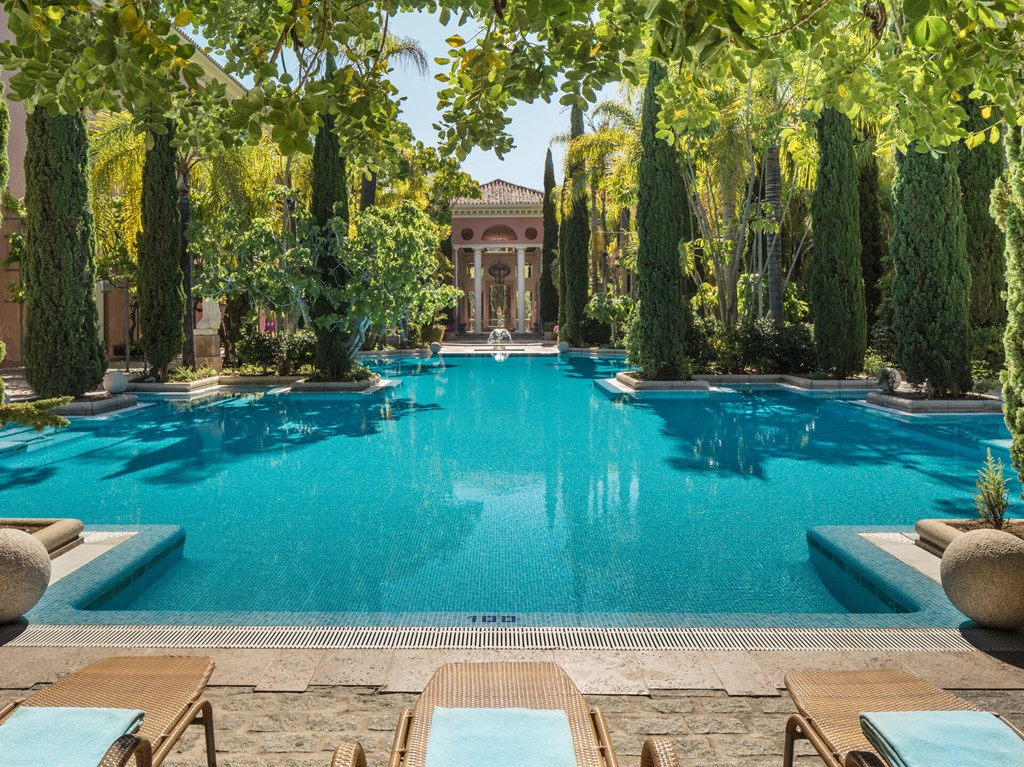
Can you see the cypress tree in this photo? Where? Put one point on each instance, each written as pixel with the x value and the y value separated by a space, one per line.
pixel 930 275
pixel 1008 210
pixel 548 289
pixel 978 169
pixel 329 200
pixel 872 241
pixel 836 285
pixel 160 284
pixel 660 215
pixel 63 353
pixel 561 262
pixel 5 125
pixel 575 255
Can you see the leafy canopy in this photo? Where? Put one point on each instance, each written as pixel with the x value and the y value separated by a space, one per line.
pixel 901 64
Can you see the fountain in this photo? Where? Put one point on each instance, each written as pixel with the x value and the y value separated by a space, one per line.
pixel 499 337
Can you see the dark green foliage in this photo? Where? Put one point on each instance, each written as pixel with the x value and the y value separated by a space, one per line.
pixel 160 288
pixel 836 285
pixel 872 240
pixel 561 268
pixel 1008 209
pixel 661 211
pixel 575 254
pixel 978 169
pixel 548 286
pixel 63 353
pixel 930 278
pixel 278 353
pixel 329 200
pixel 750 346
pixel 35 414
pixel 5 126
pixel 593 332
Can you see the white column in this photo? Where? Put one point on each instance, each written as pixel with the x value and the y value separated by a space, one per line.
pixel 456 283
pixel 521 289
pixel 478 290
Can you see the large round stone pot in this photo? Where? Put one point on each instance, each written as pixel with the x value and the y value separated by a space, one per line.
pixel 435 347
pixel 115 382
pixel 983 576
pixel 24 573
pixel 563 347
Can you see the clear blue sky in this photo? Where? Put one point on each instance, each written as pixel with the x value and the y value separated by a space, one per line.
pixel 532 125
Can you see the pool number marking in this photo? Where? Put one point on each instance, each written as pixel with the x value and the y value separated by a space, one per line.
pixel 491 618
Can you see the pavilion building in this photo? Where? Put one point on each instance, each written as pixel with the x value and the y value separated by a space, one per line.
pixel 496 254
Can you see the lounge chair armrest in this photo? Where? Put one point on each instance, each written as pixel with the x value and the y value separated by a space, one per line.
pixel 658 752
pixel 126 747
pixel 349 755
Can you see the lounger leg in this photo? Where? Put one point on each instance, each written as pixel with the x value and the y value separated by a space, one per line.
pixel 211 747
pixel 792 733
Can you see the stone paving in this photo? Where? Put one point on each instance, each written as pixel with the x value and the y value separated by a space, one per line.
pixel 293 707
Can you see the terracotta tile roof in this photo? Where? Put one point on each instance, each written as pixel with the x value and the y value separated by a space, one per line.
pixel 500 192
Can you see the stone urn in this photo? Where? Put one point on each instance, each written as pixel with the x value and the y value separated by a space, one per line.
pixel 435 347
pixel 115 382
pixel 24 573
pixel 983 576
pixel 563 347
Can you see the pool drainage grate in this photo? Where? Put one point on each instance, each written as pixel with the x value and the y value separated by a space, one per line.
pixel 521 637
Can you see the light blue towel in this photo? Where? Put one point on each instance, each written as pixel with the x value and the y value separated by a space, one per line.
pixel 943 739
pixel 52 736
pixel 499 737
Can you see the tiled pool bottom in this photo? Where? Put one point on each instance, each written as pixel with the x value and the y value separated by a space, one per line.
pixel 74 613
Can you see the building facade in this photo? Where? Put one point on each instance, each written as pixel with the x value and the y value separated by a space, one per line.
pixel 496 253
pixel 112 302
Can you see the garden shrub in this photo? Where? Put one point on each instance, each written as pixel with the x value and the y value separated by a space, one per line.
pixel 299 349
pixel 261 350
pixel 431 334
pixel 593 332
pixel 795 349
pixel 993 496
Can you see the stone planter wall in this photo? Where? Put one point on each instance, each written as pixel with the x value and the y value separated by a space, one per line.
pixel 335 386
pixel 934 535
pixel 175 386
pixel 984 404
pixel 639 385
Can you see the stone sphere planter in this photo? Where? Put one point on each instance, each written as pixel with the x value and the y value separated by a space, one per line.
pixel 115 382
pixel 435 347
pixel 563 347
pixel 983 576
pixel 24 573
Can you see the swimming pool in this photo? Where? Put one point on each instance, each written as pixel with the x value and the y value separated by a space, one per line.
pixel 481 488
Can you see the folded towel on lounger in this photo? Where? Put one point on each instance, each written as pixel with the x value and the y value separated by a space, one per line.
pixel 943 739
pixel 499 737
pixel 47 736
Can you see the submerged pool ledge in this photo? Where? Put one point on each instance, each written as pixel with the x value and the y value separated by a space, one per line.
pixel 850 566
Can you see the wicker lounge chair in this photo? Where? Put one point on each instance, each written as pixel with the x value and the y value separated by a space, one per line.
pixel 168 689
pixel 831 702
pixel 506 685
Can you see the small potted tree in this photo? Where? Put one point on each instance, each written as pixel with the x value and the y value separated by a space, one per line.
pixel 983 569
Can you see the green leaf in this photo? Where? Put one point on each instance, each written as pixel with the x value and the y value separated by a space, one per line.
pixel 916 9
pixel 931 33
pixel 106 52
pixel 455 41
pixel 183 19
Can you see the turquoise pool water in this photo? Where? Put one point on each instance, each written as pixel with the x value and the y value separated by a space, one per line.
pixel 481 487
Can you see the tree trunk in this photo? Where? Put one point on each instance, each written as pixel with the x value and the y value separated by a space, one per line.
pixel 368 191
pixel 773 196
pixel 188 348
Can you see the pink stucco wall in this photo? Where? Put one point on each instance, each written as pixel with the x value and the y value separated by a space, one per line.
pixel 480 224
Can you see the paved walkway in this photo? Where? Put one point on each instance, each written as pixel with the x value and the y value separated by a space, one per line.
pixel 292 707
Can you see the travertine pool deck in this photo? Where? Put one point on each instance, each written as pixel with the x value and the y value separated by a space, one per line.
pixel 292 707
